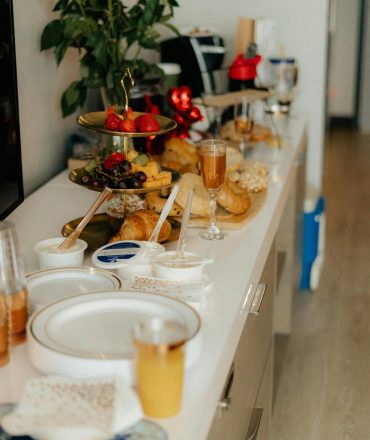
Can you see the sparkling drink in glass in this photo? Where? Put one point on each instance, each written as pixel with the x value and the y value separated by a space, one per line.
pixel 213 169
pixel 244 122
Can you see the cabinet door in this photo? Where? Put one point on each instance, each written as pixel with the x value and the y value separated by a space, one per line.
pixel 233 416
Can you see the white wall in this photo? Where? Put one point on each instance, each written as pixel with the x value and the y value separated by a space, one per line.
pixel 40 86
pixel 302 29
pixel 343 58
pixel 365 80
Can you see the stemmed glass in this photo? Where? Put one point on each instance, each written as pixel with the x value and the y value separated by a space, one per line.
pixel 244 122
pixel 213 169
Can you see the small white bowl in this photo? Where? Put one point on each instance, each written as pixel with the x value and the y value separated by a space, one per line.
pixel 190 268
pixel 50 256
pixel 143 264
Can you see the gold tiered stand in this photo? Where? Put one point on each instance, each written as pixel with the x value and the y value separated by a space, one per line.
pixel 97 121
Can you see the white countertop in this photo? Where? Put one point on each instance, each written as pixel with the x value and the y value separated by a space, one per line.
pixel 239 260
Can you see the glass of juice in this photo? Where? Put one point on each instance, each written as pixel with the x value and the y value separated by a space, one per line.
pixel 13 283
pixel 213 170
pixel 160 366
pixel 4 330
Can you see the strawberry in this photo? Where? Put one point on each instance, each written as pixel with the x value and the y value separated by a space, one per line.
pixel 111 109
pixel 127 126
pixel 146 123
pixel 129 114
pixel 112 122
pixel 113 159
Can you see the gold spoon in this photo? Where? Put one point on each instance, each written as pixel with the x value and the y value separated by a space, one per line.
pixel 68 242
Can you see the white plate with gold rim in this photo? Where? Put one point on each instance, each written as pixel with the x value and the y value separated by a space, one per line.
pixel 89 335
pixel 48 285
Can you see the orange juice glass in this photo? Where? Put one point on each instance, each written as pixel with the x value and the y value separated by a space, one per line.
pixel 4 331
pixel 160 366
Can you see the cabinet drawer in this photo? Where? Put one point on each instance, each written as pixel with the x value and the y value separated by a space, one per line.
pixel 232 418
pixel 261 430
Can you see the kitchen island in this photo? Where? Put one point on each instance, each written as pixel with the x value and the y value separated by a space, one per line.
pixel 231 381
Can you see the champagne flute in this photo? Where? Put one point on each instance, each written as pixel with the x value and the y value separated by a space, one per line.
pixel 213 169
pixel 244 122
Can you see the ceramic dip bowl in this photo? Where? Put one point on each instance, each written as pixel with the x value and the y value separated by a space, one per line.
pixel 188 268
pixel 49 255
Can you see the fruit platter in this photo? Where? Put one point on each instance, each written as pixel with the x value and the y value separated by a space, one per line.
pixel 126 171
pixel 130 173
pixel 126 123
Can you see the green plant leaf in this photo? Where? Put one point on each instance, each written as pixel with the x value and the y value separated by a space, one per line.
pixel 72 28
pixel 172 28
pixel 72 93
pixel 149 11
pixel 61 5
pixel 97 41
pixel 52 35
pixel 70 99
pixel 135 11
pixel 60 51
pixel 88 26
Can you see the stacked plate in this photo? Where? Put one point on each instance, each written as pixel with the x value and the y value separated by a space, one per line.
pixel 89 335
pixel 49 285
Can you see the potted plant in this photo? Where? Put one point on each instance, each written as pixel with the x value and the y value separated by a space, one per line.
pixel 109 37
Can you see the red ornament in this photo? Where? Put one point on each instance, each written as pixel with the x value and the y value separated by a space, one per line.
pixel 185 114
pixel 194 114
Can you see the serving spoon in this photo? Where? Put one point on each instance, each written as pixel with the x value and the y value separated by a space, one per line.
pixel 68 242
pixel 165 211
pixel 184 226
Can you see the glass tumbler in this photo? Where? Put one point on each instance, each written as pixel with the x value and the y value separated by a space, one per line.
pixel 160 366
pixel 4 342
pixel 13 282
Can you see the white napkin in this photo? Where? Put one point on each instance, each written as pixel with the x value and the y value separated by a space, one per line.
pixel 57 408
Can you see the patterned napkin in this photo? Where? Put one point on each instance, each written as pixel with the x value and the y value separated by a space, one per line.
pixel 57 408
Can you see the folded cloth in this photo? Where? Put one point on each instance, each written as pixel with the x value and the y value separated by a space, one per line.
pixel 57 408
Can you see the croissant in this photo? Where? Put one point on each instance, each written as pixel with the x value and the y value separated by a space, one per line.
pixel 140 225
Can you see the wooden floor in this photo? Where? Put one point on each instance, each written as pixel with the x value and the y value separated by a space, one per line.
pixel 323 392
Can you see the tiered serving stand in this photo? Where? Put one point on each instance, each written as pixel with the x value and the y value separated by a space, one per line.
pixel 117 206
pixel 96 121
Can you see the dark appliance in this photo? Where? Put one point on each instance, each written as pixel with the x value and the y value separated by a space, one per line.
pixel 200 57
pixel 11 181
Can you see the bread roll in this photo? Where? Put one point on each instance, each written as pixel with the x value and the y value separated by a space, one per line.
pixel 156 203
pixel 178 150
pixel 140 225
pixel 233 198
pixel 234 159
pixel 200 202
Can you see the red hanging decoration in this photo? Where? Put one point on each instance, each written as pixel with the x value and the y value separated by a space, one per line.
pixel 185 114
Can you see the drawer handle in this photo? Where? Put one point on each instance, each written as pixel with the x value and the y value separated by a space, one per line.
pixel 252 287
pixel 223 405
pixel 254 424
pixel 257 299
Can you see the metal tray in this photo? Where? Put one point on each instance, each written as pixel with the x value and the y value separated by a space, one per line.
pixel 96 121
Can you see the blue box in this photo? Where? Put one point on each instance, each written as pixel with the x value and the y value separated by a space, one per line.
pixel 313 244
